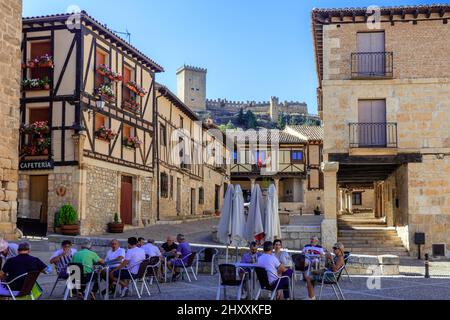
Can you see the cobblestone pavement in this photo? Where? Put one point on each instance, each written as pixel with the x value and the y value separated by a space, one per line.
pixel 410 285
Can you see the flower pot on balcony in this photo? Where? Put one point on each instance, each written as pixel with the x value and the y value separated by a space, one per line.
pixel 46 64
pixel 70 230
pixel 114 227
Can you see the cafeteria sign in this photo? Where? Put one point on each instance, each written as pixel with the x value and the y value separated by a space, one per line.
pixel 36 165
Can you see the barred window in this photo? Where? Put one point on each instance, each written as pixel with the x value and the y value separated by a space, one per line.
pixel 164 185
pixel 201 196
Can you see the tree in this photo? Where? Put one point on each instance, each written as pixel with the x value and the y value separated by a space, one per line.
pixel 250 120
pixel 281 121
pixel 241 117
pixel 225 127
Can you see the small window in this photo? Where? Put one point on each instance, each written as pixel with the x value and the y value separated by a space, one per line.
pixel 163 135
pixel 171 187
pixel 296 156
pixel 357 198
pixel 37 50
pixel 164 185
pixel 128 131
pixel 181 122
pixel 101 57
pixel 127 94
pixel 201 196
pixel 99 121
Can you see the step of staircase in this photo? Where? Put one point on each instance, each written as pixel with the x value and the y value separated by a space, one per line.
pixel 369 237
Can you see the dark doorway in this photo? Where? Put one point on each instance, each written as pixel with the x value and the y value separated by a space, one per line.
pixel 216 198
pixel 126 200
pixel 193 198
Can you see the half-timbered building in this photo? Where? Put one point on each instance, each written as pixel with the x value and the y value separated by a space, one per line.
pixel 289 158
pixel 87 110
pixel 192 161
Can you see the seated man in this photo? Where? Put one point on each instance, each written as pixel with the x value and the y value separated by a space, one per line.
pixel 313 251
pixel 141 242
pixel 132 261
pixel 7 251
pixel 274 269
pixel 18 265
pixel 334 264
pixel 115 255
pixel 88 259
pixel 182 255
pixel 151 250
pixel 249 257
pixel 62 257
pixel 169 248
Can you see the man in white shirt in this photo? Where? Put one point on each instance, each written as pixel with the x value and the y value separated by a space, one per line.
pixel 151 250
pixel 62 257
pixel 133 259
pixel 115 255
pixel 7 251
pixel 274 269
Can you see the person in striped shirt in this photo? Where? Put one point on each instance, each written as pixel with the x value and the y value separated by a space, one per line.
pixel 7 251
pixel 62 257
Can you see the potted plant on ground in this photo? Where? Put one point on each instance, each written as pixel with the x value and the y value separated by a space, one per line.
pixel 68 220
pixel 116 226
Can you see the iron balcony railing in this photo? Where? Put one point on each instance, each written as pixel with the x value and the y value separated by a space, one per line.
pixel 373 135
pixel 372 65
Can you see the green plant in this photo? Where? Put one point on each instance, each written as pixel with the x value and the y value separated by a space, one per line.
pixel 67 216
pixel 116 218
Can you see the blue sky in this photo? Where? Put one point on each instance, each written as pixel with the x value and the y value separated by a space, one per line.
pixel 253 49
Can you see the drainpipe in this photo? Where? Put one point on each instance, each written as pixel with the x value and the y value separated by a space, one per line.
pixel 156 150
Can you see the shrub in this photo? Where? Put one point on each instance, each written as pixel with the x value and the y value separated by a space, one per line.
pixel 67 216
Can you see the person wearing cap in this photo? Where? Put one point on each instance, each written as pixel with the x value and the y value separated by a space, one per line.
pixel 19 265
pixel 183 252
pixel 334 263
pixel 7 251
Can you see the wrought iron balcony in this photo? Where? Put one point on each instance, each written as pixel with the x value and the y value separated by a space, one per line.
pixel 372 65
pixel 373 135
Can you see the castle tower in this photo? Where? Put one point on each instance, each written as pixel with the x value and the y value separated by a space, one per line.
pixel 274 109
pixel 191 87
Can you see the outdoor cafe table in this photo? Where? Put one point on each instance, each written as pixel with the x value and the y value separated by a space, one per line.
pixel 97 270
pixel 252 267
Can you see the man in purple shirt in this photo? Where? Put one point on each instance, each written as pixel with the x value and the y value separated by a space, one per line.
pixel 183 253
pixel 249 257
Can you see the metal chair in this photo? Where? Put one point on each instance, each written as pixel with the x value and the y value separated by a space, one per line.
pixel 152 272
pixel 82 282
pixel 264 284
pixel 209 256
pixel 347 255
pixel 227 278
pixel 140 276
pixel 332 278
pixel 299 261
pixel 27 287
pixel 186 266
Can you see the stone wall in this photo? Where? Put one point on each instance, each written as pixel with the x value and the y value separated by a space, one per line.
pixel 147 216
pixel 10 35
pixel 102 194
pixel 296 237
pixel 410 44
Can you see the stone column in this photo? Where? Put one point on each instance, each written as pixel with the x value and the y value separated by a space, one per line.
pixel 10 37
pixel 329 224
pixel 341 200
pixel 350 201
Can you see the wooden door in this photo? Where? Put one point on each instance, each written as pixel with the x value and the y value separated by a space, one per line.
pixel 372 123
pixel 193 198
pixel 126 200
pixel 39 198
pixel 178 196
pixel 372 57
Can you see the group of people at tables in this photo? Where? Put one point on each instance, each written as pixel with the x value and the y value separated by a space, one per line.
pixel 278 263
pixel 16 261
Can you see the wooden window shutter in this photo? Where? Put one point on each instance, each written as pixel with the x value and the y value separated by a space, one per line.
pixel 99 121
pixel 100 58
pixel 41 114
pixel 38 49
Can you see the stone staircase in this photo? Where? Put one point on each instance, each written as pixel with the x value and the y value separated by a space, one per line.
pixel 369 236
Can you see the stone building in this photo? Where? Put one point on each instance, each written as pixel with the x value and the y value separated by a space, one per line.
pixel 191 87
pixel 384 98
pixel 10 34
pixel 192 169
pixel 87 110
pixel 290 159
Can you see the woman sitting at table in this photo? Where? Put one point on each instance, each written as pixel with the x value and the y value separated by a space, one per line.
pixel 333 265
pixel 281 255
